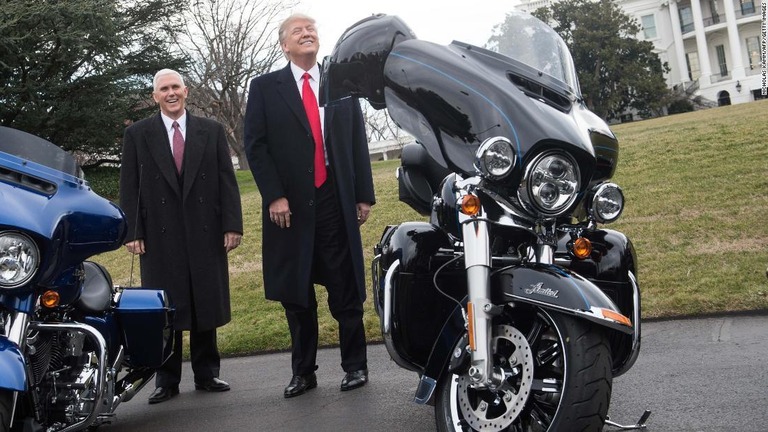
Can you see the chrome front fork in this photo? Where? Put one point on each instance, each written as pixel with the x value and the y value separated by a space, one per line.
pixel 16 330
pixel 480 309
pixel 477 259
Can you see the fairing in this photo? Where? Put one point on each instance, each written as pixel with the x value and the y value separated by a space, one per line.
pixel 44 195
pixel 451 98
pixel 357 61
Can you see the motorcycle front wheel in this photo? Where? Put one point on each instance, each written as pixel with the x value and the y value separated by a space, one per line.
pixel 556 373
pixel 6 403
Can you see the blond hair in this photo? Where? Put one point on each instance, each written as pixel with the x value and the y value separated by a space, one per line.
pixel 283 30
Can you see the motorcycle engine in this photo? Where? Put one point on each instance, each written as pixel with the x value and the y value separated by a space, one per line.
pixel 64 374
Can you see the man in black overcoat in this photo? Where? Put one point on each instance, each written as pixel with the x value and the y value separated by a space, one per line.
pixel 180 197
pixel 311 227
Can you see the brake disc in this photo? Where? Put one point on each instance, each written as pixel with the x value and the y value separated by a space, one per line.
pixel 488 409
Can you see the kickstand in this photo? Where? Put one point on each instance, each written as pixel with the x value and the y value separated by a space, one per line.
pixel 639 425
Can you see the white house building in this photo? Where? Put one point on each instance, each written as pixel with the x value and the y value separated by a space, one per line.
pixel 713 47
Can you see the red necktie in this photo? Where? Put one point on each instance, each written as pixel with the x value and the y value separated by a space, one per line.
pixel 313 115
pixel 178 146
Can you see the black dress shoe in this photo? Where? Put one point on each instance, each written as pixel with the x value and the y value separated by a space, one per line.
pixel 162 394
pixel 300 384
pixel 212 385
pixel 354 379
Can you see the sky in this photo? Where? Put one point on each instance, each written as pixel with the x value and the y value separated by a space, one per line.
pixel 436 21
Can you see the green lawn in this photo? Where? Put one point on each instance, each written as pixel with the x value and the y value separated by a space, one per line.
pixel 697 192
pixel 696 186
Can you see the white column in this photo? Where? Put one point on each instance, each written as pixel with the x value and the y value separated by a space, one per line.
pixel 677 37
pixel 738 71
pixel 701 44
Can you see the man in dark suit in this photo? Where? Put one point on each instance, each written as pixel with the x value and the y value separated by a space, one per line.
pixel 316 189
pixel 181 200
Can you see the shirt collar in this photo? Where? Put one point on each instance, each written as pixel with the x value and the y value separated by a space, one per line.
pixel 168 122
pixel 298 72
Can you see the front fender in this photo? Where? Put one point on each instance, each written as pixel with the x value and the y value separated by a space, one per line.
pixel 12 372
pixel 545 286
pixel 557 288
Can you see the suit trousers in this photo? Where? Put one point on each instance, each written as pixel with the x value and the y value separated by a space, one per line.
pixel 204 357
pixel 333 269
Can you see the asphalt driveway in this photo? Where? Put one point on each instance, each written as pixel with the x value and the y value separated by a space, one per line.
pixel 705 375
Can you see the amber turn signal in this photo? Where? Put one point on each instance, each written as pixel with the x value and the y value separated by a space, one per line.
pixel 619 318
pixel 581 248
pixel 470 205
pixel 50 299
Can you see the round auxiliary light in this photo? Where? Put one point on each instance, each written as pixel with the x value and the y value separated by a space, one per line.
pixel 607 203
pixel 495 158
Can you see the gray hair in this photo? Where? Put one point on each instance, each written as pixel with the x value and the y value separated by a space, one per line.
pixel 162 72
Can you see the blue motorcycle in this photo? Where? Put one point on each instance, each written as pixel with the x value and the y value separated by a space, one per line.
pixel 72 345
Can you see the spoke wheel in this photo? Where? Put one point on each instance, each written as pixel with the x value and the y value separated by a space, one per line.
pixel 556 377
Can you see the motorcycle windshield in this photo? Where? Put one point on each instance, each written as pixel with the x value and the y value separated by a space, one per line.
pixel 35 149
pixel 522 86
pixel 536 50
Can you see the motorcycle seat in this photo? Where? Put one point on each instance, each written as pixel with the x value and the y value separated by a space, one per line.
pixel 96 294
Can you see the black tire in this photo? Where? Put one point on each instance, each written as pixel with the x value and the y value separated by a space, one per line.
pixel 571 354
pixel 6 402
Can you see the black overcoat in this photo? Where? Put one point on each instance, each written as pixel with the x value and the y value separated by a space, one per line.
pixel 182 221
pixel 280 151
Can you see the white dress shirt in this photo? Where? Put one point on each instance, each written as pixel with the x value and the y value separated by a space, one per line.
pixel 168 122
pixel 298 75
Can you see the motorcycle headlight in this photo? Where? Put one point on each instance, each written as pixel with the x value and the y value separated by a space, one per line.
pixel 550 184
pixel 607 203
pixel 495 158
pixel 19 259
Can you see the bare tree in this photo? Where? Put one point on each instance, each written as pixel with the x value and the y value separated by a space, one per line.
pixel 380 126
pixel 229 42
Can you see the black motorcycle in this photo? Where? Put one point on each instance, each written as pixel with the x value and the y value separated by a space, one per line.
pixel 72 345
pixel 511 304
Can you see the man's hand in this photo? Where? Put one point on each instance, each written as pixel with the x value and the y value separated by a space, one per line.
pixel 232 240
pixel 136 247
pixel 280 212
pixel 363 211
